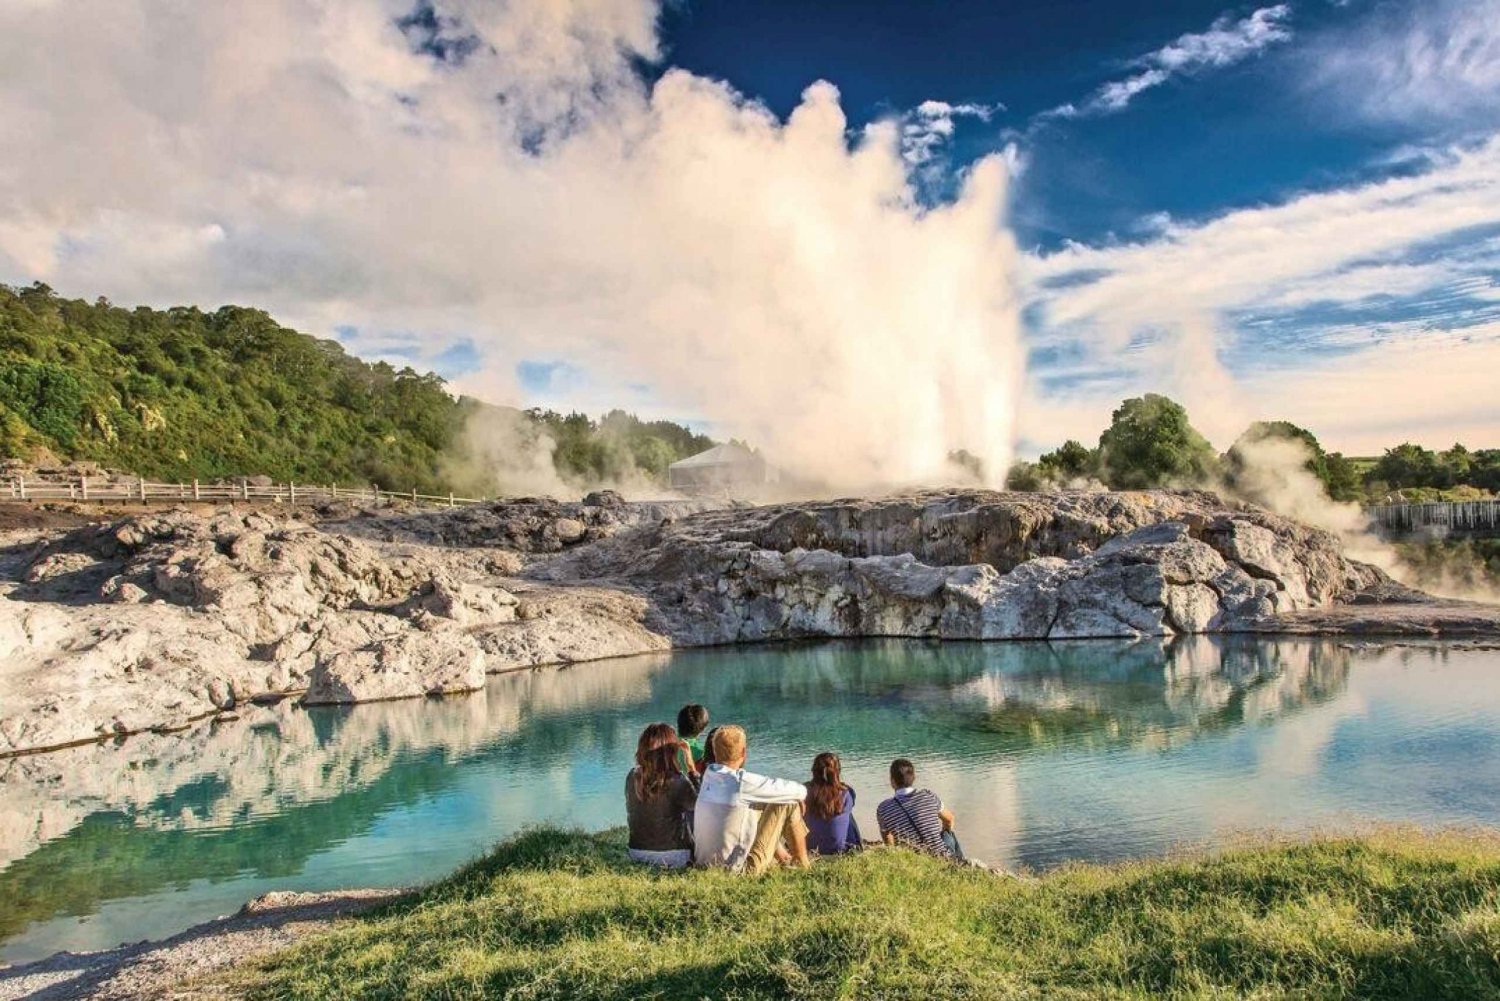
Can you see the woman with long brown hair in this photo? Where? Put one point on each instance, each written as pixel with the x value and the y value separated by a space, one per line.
pixel 658 799
pixel 831 828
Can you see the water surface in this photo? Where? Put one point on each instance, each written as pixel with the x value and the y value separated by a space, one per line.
pixel 1047 752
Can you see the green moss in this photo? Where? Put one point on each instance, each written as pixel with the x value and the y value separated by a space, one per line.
pixel 561 915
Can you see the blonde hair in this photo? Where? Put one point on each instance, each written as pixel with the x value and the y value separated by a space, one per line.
pixel 729 743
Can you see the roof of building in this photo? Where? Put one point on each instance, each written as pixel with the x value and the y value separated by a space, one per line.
pixel 728 454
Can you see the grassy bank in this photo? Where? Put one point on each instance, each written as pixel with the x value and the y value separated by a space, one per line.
pixel 555 915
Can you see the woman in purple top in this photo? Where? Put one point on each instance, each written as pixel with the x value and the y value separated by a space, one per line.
pixel 831 828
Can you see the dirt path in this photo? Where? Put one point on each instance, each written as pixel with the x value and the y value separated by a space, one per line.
pixel 168 969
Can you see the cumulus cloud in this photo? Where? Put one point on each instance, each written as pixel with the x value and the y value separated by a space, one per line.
pixel 1226 42
pixel 1164 313
pixel 501 174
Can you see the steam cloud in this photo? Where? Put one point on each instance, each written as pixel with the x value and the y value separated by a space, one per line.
pixel 500 173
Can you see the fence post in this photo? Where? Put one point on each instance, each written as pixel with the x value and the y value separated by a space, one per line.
pixel 83 485
pixel 21 487
pixel 195 488
pixel 291 490
pixel 245 489
pixel 143 490
pixel 414 495
pixel 376 487
pixel 450 498
pixel 72 491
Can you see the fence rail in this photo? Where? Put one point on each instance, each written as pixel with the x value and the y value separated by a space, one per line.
pixel 147 492
pixel 1460 517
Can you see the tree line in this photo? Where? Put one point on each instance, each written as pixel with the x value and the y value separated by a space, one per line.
pixel 182 393
pixel 1150 442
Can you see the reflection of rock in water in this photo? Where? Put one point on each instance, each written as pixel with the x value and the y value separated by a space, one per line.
pixel 1150 693
pixel 266 793
pixel 278 758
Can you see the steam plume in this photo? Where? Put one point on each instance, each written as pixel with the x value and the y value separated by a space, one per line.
pixel 346 163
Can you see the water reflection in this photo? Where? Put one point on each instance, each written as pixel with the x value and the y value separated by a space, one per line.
pixel 1047 751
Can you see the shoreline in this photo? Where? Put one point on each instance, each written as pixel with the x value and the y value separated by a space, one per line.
pixel 148 968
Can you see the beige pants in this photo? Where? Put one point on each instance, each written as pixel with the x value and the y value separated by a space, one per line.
pixel 781 824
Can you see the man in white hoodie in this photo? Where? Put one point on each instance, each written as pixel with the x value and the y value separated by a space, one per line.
pixel 741 817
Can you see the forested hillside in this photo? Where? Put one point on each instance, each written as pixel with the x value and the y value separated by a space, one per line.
pixel 182 393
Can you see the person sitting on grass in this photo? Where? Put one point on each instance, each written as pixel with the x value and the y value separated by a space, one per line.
pixel 658 801
pixel 691 721
pixel 831 827
pixel 743 818
pixel 916 817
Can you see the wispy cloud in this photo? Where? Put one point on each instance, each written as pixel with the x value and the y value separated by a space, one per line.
pixel 1364 279
pixel 931 124
pixel 1226 42
pixel 1433 61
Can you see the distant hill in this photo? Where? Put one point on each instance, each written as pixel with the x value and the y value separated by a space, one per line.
pixel 182 393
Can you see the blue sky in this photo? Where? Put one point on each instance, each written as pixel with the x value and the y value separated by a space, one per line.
pixel 1263 127
pixel 857 233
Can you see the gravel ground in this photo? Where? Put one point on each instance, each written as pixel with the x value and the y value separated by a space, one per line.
pixel 169 969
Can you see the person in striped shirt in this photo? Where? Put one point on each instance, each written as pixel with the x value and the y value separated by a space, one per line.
pixel 916 818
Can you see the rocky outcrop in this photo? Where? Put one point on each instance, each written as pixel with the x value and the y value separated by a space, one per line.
pixel 528 525
pixel 156 620
pixel 976 565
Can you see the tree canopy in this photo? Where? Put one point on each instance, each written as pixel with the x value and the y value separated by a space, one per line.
pixel 1151 443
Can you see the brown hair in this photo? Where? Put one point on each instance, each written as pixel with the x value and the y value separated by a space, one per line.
pixel 655 760
pixel 729 743
pixel 825 793
pixel 903 773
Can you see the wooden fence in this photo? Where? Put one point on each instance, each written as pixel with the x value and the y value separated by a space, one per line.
pixel 1456 518
pixel 144 491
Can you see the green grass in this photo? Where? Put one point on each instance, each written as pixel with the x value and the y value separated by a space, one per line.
pixel 560 915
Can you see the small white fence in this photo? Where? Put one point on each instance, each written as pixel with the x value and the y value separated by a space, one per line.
pixel 146 492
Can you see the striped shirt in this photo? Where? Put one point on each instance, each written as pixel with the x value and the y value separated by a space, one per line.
pixel 911 816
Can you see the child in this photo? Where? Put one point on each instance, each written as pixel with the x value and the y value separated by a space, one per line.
pixel 692 719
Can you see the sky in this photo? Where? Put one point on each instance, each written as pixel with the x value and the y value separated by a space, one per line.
pixel 859 233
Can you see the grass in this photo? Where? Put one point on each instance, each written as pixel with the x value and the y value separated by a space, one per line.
pixel 553 914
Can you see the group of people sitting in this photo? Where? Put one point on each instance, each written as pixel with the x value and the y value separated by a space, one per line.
pixel 690 801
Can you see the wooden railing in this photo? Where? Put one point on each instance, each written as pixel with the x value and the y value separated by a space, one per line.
pixel 1449 517
pixel 146 492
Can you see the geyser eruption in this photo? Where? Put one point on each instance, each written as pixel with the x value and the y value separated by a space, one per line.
pixel 504 179
pixel 803 300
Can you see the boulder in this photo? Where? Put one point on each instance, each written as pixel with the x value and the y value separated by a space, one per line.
pixel 403 666
pixel 469 604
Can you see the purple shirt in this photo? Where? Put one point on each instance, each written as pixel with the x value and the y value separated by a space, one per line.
pixel 836 835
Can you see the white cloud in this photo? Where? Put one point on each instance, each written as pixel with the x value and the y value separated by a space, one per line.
pixel 1426 62
pixel 1194 292
pixel 1225 43
pixel 930 125
pixel 529 193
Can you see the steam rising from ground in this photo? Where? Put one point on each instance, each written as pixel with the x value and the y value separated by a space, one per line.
pixel 1275 475
pixel 500 176
pixel 501 452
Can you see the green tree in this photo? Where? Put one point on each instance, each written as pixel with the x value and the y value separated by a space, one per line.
pixel 1151 443
pixel 46 396
pixel 1408 465
pixel 1069 461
